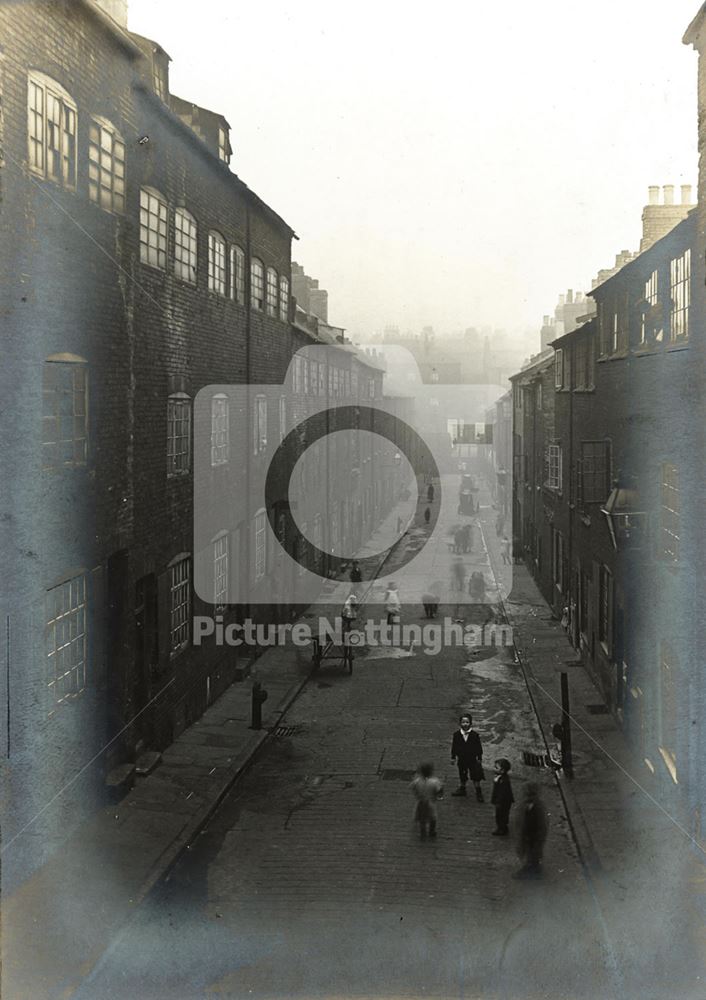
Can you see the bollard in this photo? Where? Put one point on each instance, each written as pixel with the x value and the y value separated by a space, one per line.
pixel 258 696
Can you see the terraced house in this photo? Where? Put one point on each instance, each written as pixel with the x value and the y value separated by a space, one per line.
pixel 615 549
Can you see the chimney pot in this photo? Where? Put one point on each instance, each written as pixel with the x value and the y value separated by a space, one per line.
pixel 653 193
pixel 686 194
pixel 570 296
pixel 668 194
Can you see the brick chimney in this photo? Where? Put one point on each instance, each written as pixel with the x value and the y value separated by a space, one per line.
pixel 658 219
pixel 117 9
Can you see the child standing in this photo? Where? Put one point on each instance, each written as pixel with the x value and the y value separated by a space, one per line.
pixel 467 752
pixel 502 797
pixel 426 789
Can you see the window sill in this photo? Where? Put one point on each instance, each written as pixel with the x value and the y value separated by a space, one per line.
pixel 174 476
pixel 617 356
pixel 584 389
pixel 682 345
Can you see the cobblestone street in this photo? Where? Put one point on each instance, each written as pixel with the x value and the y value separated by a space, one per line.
pixel 311 880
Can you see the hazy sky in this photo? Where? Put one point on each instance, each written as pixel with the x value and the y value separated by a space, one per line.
pixel 457 165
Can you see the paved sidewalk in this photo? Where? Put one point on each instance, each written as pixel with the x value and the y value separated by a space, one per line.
pixel 60 920
pixel 646 878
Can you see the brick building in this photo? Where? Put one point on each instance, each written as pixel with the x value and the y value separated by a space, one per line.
pixel 138 269
pixel 608 513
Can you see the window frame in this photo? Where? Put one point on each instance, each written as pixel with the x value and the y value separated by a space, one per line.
pixel 96 187
pixel 260 545
pixel 157 248
pixel 554 467
pixel 67 628
pixel 64 148
pixel 257 284
pixel 221 569
pixel 260 424
pixel 558 369
pixel 680 296
pixel 237 274
pixel 186 245
pixel 217 263
pixel 75 367
pixel 670 513
pixel 284 298
pixel 220 430
pixel 176 402
pixel 179 604
pixel 272 292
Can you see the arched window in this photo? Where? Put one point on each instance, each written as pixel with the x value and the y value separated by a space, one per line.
pixel 178 434
pixel 216 263
pixel 272 290
pixel 65 411
pixel 106 165
pixel 237 274
pixel 51 130
pixel 220 438
pixel 153 228
pixel 257 284
pixel 284 299
pixel 185 245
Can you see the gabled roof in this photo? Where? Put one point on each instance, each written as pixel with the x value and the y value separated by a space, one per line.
pixel 587 327
pixel 120 35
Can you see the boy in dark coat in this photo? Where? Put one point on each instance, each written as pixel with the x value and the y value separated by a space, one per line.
pixel 467 752
pixel 502 797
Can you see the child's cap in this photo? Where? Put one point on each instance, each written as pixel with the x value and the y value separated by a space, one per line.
pixel 426 770
pixel 504 764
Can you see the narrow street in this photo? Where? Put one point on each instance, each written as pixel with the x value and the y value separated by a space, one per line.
pixel 311 879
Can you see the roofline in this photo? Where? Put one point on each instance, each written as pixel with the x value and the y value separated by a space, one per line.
pixel 535 368
pixel 692 32
pixel 690 218
pixel 121 35
pixel 219 165
pixel 584 328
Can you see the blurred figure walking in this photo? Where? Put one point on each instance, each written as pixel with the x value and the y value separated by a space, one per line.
pixel 426 790
pixel 531 833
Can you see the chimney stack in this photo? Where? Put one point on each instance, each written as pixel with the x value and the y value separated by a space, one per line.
pixel 686 194
pixel 653 192
pixel 668 194
pixel 570 296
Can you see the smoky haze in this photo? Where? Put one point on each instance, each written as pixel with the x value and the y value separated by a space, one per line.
pixel 457 167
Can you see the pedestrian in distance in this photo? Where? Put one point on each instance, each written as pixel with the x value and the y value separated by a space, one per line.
pixel 430 493
pixel 531 833
pixel 355 576
pixel 427 790
pixel 430 600
pixel 427 515
pixel 502 797
pixel 458 540
pixel 458 574
pixel 392 604
pixel 506 550
pixel 349 612
pixel 467 540
pixel 467 753
pixel 476 587
pixel 500 525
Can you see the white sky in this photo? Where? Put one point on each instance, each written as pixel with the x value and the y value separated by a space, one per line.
pixel 453 166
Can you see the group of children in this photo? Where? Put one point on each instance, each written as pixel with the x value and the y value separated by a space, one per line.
pixel 467 753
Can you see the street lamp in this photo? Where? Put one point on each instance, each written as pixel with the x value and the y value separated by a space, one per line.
pixel 627 524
